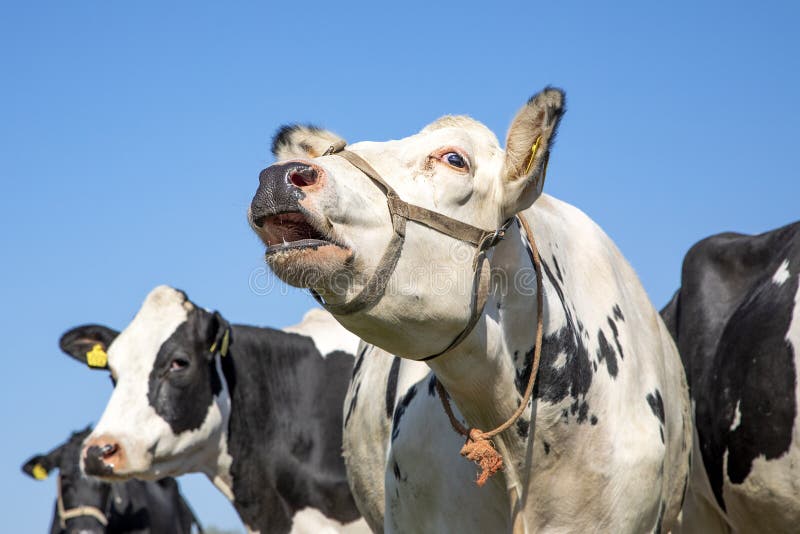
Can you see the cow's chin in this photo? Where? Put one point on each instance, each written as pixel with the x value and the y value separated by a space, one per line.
pixel 323 265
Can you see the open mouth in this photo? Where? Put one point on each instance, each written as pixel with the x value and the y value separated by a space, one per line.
pixel 291 231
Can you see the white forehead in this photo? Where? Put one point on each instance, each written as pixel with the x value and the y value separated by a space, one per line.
pixel 459 130
pixel 136 348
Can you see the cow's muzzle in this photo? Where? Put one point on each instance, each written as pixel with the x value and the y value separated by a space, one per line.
pixel 103 456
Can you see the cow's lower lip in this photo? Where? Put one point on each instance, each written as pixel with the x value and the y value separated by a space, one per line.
pixel 302 244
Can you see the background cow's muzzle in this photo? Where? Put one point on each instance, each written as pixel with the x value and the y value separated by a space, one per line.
pixel 281 188
pixel 102 456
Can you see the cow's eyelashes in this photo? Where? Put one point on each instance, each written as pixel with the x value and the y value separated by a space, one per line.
pixel 178 364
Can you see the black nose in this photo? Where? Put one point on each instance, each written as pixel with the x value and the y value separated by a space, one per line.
pixel 280 189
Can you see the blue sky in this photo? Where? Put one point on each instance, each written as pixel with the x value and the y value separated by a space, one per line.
pixel 132 134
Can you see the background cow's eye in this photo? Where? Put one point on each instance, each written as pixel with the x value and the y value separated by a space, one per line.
pixel 178 364
pixel 454 159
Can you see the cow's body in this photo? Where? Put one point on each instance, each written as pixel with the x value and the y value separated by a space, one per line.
pixel 134 506
pixel 736 321
pixel 258 410
pixel 609 444
pixel 606 431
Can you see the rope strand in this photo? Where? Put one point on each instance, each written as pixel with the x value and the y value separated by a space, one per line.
pixel 478 447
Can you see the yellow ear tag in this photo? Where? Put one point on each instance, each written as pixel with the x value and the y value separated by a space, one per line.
pixel 39 472
pixel 226 339
pixel 223 348
pixel 534 149
pixel 97 357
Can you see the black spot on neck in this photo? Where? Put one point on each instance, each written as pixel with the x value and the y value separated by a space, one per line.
pixel 391 386
pixel 401 409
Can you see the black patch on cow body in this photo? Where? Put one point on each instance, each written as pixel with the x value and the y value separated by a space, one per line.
pixel 401 409
pixel 615 330
pixel 546 447
pixel 558 270
pixel 730 320
pixel 605 353
pixel 279 380
pixel 618 312
pixel 432 385
pixel 391 386
pixel 523 426
pixel 593 419
pixel 352 405
pixel 656 404
pixel 574 378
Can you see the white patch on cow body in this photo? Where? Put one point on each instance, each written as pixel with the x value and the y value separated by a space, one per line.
pixel 312 521
pixel 737 417
pixel 327 333
pixel 782 274
pixel 560 361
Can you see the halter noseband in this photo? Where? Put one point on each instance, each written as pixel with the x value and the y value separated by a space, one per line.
pixel 401 212
pixel 79 511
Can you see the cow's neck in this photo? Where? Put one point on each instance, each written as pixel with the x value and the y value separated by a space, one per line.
pixel 273 460
pixel 486 375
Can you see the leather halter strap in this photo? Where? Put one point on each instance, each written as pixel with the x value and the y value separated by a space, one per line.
pixel 401 212
pixel 80 511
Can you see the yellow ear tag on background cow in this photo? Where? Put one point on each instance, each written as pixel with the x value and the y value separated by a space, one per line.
pixel 226 339
pixel 39 472
pixel 223 347
pixel 534 149
pixel 97 357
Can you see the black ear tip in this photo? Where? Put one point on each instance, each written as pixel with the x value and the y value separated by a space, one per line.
pixel 284 133
pixel 551 96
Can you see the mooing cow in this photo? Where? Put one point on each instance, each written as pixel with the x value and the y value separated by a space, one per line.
pixel 736 320
pixel 86 505
pixel 257 410
pixel 606 443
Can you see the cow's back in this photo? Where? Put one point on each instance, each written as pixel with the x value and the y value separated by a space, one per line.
pixel 736 322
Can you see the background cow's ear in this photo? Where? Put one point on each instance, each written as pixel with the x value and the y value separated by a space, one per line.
pixel 39 466
pixel 528 145
pixel 88 344
pixel 303 141
pixel 220 334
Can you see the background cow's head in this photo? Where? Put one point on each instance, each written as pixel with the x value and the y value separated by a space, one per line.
pixel 326 224
pixel 77 489
pixel 170 404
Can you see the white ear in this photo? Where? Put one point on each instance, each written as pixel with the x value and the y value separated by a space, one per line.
pixel 303 141
pixel 528 144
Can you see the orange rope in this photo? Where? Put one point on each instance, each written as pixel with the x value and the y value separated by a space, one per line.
pixel 479 447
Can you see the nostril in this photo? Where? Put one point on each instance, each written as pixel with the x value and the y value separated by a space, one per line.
pixel 259 221
pixel 303 176
pixel 109 450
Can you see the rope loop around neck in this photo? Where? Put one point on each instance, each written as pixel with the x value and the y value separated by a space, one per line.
pixel 478 446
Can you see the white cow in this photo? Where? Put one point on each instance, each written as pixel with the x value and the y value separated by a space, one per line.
pixel 606 444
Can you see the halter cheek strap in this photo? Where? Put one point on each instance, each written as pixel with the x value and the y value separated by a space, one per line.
pixel 401 212
pixel 79 511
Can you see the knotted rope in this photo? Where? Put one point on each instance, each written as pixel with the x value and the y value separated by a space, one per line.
pixel 478 447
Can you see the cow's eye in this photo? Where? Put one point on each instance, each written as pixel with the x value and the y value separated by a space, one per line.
pixel 454 159
pixel 178 364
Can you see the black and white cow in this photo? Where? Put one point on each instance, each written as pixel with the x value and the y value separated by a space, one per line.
pixel 607 442
pixel 257 410
pixel 736 320
pixel 91 506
